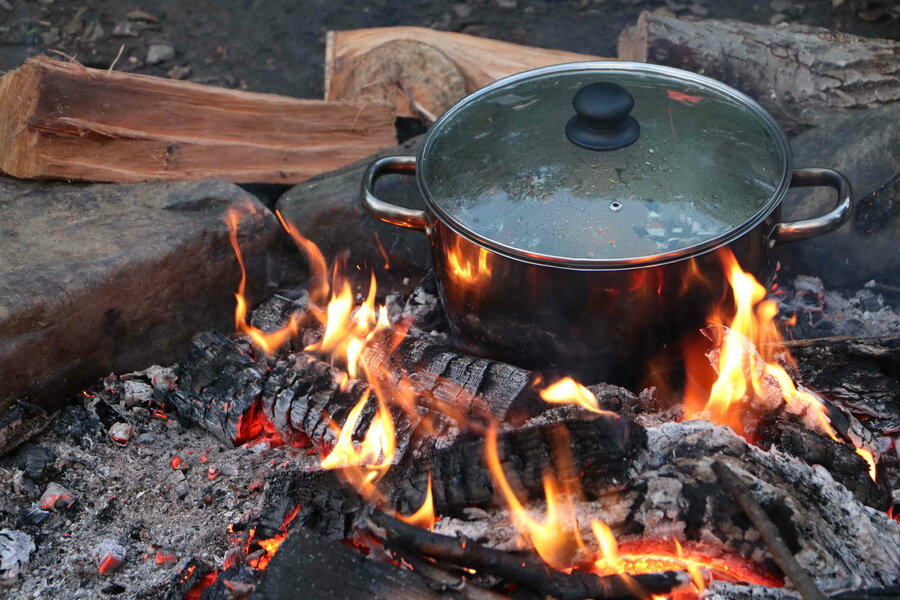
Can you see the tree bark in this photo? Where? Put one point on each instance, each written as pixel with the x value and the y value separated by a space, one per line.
pixel 62 120
pixel 802 75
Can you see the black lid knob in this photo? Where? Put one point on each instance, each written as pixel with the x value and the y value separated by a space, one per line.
pixel 602 121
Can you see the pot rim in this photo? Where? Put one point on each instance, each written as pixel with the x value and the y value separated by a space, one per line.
pixel 609 263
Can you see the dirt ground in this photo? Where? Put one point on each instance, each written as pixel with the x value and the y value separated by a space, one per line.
pixel 278 45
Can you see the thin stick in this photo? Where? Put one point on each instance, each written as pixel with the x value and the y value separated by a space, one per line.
pixel 448 581
pixel 825 340
pixel 783 556
pixel 116 59
pixel 525 570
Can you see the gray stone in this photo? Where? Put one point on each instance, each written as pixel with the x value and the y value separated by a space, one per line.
pixel 327 210
pixel 110 278
pixel 159 53
pixel 865 147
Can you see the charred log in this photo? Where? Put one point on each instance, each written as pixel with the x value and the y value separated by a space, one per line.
pixel 219 383
pixel 845 465
pixel 329 570
pixel 524 569
pixel 601 447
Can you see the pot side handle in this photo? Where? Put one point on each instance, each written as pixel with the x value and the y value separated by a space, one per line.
pixel 801 230
pixel 391 213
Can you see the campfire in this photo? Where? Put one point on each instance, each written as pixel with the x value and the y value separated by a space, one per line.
pixel 377 429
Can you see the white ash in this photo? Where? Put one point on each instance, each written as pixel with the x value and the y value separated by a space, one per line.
pixel 124 493
pixel 821 312
pixel 15 551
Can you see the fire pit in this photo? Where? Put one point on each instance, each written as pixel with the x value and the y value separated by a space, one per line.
pixel 385 426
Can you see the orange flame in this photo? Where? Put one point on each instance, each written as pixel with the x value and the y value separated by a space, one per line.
pixel 746 362
pixel 364 465
pixel 869 458
pixel 268 342
pixel 569 391
pixel 555 539
pixel 424 517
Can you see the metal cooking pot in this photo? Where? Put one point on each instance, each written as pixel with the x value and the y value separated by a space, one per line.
pixel 583 242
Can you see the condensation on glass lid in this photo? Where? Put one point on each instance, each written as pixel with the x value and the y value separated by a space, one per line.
pixel 504 169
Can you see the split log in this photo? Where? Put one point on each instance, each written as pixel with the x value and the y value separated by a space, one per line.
pixel 422 72
pixel 62 120
pixel 803 75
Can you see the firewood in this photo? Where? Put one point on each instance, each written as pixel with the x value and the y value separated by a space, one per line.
pixel 62 120
pixel 422 72
pixel 525 570
pixel 803 75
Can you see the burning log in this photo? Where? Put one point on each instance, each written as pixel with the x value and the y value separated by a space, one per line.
pixel 803 75
pixel 524 570
pixel 220 383
pixel 422 72
pixel 62 120
pixel 602 450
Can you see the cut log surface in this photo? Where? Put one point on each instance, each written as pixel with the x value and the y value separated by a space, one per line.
pixel 420 71
pixel 803 75
pixel 62 120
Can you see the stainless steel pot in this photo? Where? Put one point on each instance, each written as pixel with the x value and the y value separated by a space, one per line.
pixel 586 243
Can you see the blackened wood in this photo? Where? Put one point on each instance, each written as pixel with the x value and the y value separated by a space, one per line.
pixel 803 75
pixel 218 384
pixel 845 465
pixel 312 567
pixel 601 447
pixel 19 424
pixel 328 506
pixel 768 531
pixel 525 570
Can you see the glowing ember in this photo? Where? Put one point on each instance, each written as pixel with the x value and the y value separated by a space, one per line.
pixel 653 557
pixel 424 517
pixel 569 391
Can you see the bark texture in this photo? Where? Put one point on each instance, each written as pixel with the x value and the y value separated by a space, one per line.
pixel 803 75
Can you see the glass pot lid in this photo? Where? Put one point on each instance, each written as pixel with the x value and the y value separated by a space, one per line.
pixel 604 163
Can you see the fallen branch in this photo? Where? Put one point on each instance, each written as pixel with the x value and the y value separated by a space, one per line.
pixel 524 570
